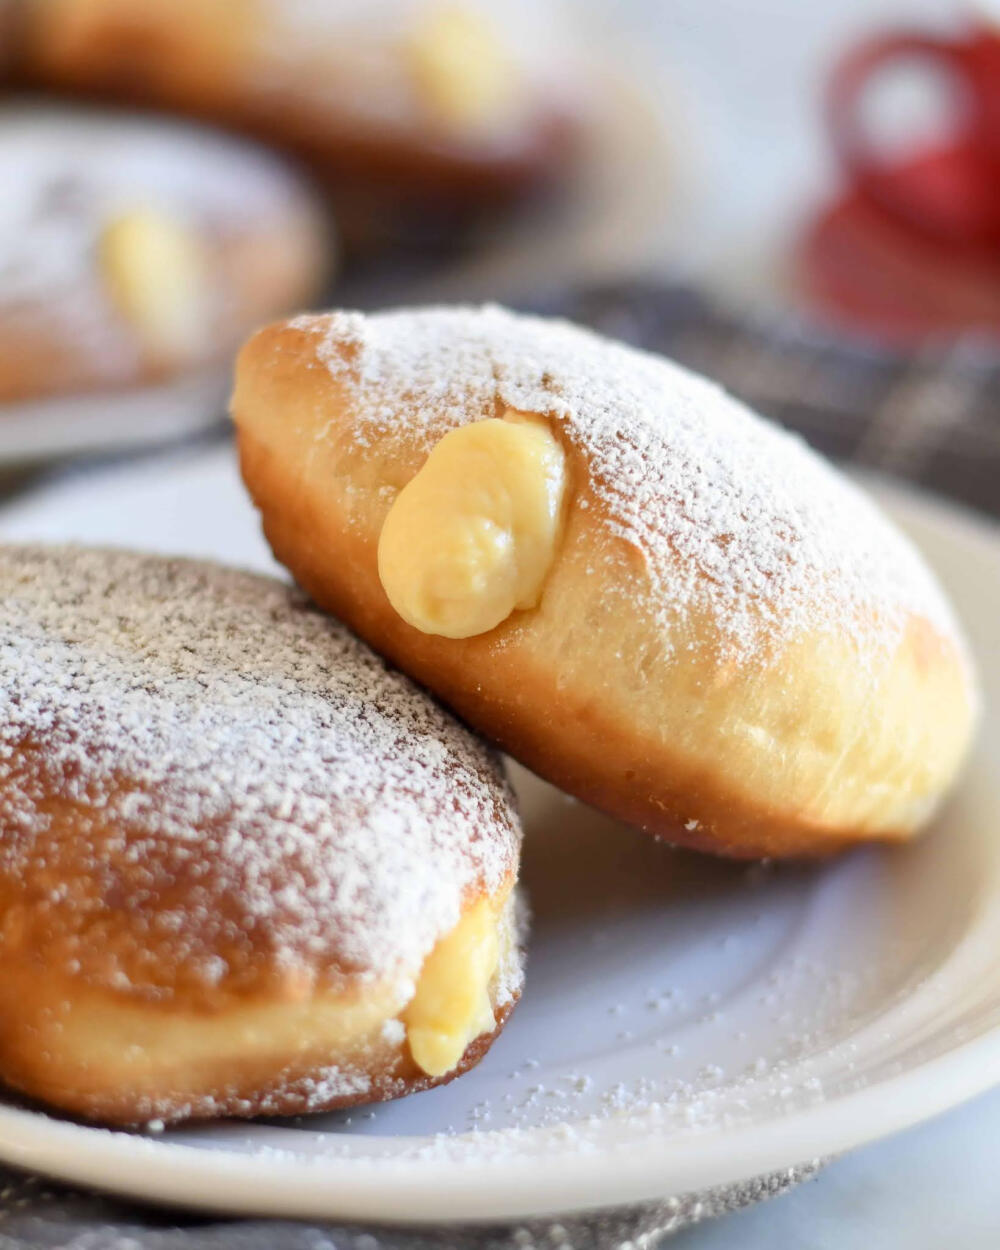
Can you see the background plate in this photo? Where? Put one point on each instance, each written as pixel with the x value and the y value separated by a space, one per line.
pixel 686 1022
pixel 79 424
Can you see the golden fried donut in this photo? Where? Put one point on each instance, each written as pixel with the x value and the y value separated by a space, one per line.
pixel 645 593
pixel 246 869
pixel 132 251
pixel 460 99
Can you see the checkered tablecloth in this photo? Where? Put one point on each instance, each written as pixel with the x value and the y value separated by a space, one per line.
pixel 931 417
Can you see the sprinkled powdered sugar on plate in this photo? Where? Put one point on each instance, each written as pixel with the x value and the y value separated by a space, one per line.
pixel 731 515
pixel 257 791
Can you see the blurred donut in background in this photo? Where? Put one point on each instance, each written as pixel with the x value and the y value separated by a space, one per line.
pixel 9 24
pixel 135 250
pixel 457 103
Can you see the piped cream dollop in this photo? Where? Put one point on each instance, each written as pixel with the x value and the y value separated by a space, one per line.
pixel 451 1005
pixel 460 67
pixel 471 538
pixel 155 271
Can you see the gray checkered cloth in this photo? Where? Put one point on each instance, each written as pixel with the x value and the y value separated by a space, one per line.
pixel 930 417
pixel 37 1214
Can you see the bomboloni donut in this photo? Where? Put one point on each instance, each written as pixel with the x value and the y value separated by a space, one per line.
pixel 641 590
pixel 134 251
pixel 463 100
pixel 246 869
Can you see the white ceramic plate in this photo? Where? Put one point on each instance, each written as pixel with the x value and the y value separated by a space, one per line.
pixel 80 424
pixel 686 1022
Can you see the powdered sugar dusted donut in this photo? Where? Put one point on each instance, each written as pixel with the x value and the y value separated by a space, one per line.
pixel 134 250
pixel 246 868
pixel 640 589
pixel 459 99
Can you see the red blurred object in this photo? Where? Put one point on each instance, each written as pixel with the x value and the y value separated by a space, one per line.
pixel 913 246
pixel 862 265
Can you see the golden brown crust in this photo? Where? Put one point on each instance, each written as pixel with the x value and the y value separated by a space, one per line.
pixel 790 753
pixel 37 1059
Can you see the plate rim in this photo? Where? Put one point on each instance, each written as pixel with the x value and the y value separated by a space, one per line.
pixel 103 422
pixel 514 1188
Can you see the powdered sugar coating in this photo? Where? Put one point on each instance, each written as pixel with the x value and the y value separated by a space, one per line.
pixel 254 792
pixel 731 515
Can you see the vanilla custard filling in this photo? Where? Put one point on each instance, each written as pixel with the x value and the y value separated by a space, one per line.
pixel 449 1008
pixel 460 69
pixel 472 536
pixel 451 1005
pixel 155 272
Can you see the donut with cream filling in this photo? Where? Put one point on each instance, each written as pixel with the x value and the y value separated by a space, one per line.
pixel 455 100
pixel 246 868
pixel 136 251
pixel 640 589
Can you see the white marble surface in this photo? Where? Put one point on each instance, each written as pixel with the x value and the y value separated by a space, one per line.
pixel 930 1188
pixel 739 86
